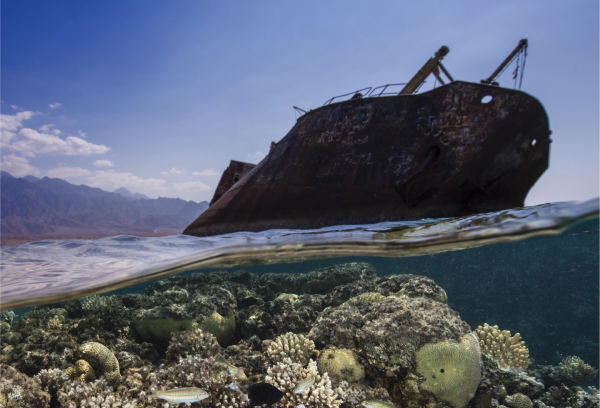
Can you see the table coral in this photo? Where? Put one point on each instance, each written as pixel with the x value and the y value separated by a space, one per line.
pixel 341 364
pixel 509 351
pixel 286 375
pixel 452 370
pixel 104 361
pixel 576 370
pixel 296 347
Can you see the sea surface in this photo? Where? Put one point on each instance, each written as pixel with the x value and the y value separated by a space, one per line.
pixel 532 270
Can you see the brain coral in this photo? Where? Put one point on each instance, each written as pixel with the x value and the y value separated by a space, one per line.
pixel 296 347
pixel 219 326
pixel 576 370
pixel 161 328
pixel 509 352
pixel 452 371
pixel 519 401
pixel 105 362
pixel 82 371
pixel 341 364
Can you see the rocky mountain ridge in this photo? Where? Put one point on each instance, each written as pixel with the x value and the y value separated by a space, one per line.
pixel 32 206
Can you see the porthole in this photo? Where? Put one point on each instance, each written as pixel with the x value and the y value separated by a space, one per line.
pixel 486 99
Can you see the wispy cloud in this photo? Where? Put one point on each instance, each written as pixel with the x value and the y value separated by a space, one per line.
pixel 209 172
pixel 112 180
pixel 82 134
pixel 67 172
pixel 174 171
pixel 15 107
pixel 55 105
pixel 10 123
pixel 192 186
pixel 103 163
pixel 17 166
pixel 46 129
pixel 30 143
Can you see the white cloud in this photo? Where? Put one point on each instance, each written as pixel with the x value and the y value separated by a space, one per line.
pixel 103 163
pixel 209 172
pixel 112 180
pixel 82 134
pixel 66 172
pixel 31 143
pixel 15 107
pixel 46 129
pixel 55 105
pixel 10 123
pixel 192 186
pixel 255 155
pixel 174 171
pixel 17 166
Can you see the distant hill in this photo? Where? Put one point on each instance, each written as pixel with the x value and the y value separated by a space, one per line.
pixel 32 206
pixel 126 193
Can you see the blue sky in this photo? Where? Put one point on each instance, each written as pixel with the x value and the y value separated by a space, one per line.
pixel 159 96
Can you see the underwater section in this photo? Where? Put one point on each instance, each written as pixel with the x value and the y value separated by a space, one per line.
pixel 508 324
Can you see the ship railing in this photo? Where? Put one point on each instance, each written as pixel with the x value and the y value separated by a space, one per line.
pixel 383 90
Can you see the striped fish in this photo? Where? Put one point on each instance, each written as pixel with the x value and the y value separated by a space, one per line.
pixel 304 385
pixel 237 372
pixel 377 404
pixel 179 395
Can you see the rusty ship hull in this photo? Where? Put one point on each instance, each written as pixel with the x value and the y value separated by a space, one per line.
pixel 441 153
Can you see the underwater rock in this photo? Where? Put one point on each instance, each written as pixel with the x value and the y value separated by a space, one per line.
pixel 509 351
pixel 295 347
pixel 573 368
pixel 188 343
pixel 320 281
pixel 452 371
pixel 364 299
pixel 500 383
pixel 286 375
pixel 20 390
pixel 387 333
pixel 565 397
pixel 103 360
pixel 341 364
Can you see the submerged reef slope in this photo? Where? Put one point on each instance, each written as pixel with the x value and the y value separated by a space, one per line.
pixel 359 336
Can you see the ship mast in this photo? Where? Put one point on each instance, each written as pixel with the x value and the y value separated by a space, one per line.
pixel 432 66
pixel 521 47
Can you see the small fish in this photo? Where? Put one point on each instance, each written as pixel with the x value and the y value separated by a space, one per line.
pixel 304 385
pixel 263 393
pixel 377 404
pixel 237 372
pixel 179 395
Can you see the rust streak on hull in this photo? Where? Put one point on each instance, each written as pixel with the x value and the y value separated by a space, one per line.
pixel 441 153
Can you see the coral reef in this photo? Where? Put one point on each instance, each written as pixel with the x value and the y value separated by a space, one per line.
pixel 196 343
pixel 222 327
pixel 452 371
pixel 162 329
pixel 509 351
pixel 341 364
pixel 51 380
pixel 103 360
pixel 286 375
pixel 296 347
pixel 573 368
pixel 20 390
pixel 518 401
pixel 82 372
pixel 364 299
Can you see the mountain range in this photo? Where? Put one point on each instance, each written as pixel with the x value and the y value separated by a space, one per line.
pixel 52 207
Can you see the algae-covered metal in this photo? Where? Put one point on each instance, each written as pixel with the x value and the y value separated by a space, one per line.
pixel 458 149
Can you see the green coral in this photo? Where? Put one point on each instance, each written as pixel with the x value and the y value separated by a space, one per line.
pixel 519 401
pixel 452 371
pixel 576 370
pixel 219 326
pixel 341 364
pixel 162 329
pixel 103 360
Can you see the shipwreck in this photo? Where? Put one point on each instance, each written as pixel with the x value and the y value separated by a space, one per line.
pixel 379 154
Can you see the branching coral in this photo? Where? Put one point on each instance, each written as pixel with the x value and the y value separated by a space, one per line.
pixel 105 362
pixel 21 391
pixel 509 351
pixel 576 370
pixel 296 347
pixel 452 370
pixel 341 364
pixel 286 375
pixel 95 303
pixel 51 380
pixel 196 342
